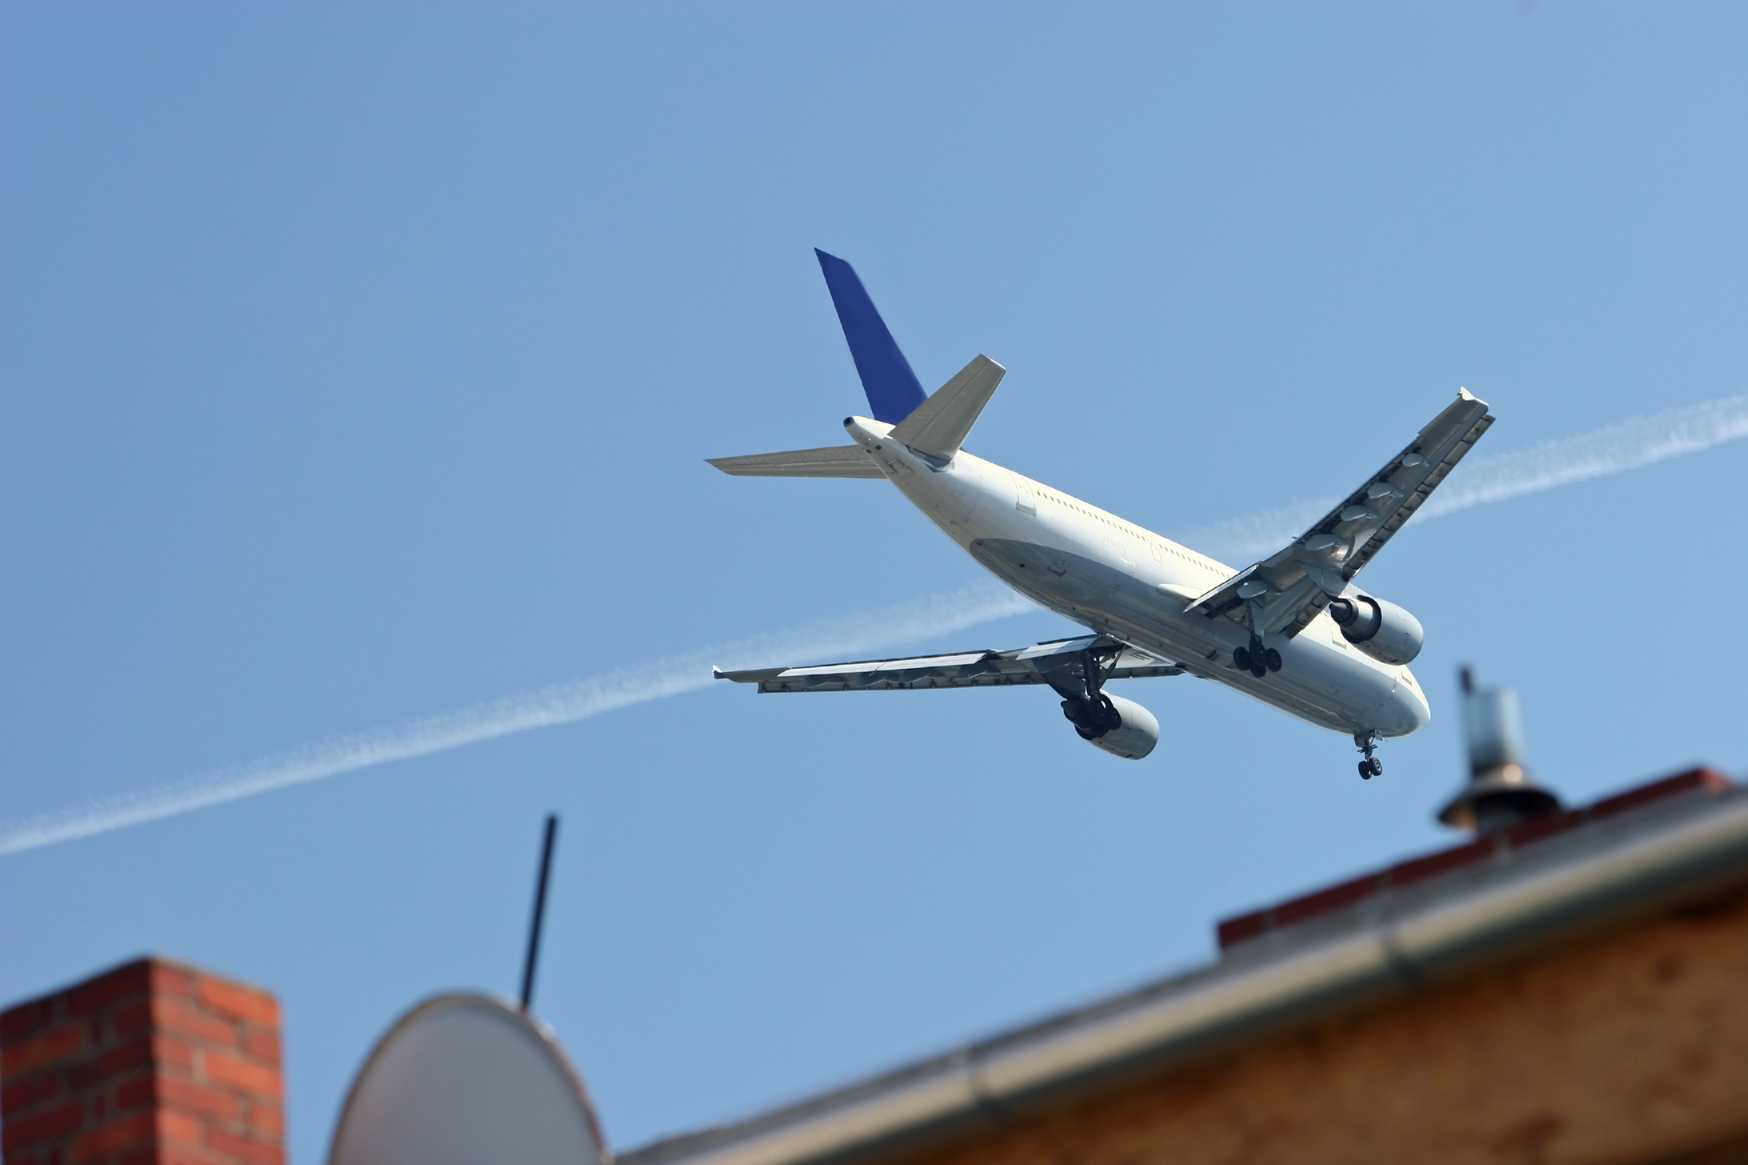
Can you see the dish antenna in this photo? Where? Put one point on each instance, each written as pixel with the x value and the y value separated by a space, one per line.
pixel 466 1079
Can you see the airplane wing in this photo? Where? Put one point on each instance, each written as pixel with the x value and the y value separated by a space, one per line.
pixel 966 669
pixel 1290 587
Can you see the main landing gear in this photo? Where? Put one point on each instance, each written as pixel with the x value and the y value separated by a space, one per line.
pixel 1256 659
pixel 1371 766
pixel 1086 706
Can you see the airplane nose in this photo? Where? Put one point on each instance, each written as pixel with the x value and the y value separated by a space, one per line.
pixel 1412 711
pixel 1404 711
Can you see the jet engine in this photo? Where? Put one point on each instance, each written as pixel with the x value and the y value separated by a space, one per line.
pixel 1381 629
pixel 1120 727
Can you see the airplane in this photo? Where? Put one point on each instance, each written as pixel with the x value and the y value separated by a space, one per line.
pixel 1292 630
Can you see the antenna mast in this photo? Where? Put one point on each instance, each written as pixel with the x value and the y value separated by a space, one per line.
pixel 539 910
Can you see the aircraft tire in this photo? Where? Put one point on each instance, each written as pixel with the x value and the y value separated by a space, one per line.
pixel 1274 660
pixel 1241 657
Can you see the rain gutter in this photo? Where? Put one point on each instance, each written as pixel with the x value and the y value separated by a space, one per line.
pixel 1599 875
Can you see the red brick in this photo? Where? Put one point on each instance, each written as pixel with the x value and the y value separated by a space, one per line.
pixel 184 1094
pixel 185 1155
pixel 182 1155
pixel 170 1016
pixel 244 1074
pixel 136 1092
pixel 242 1002
pixel 53 1122
pixel 18 1022
pixel 116 1062
pixel 245 1148
pixel 172 1051
pixel 149 1051
pixel 1323 901
pixel 130 1132
pixel 190 1153
pixel 131 1017
pixel 17 1059
pixel 23 1094
pixel 169 979
pixel 125 981
pixel 1442 862
pixel 264 1044
pixel 177 1126
pixel 267 1118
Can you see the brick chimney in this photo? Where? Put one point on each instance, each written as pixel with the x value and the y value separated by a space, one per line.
pixel 152 1063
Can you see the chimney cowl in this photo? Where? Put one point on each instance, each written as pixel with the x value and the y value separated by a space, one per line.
pixel 1500 794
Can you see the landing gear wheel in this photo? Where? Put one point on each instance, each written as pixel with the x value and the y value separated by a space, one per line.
pixel 1241 657
pixel 1274 660
pixel 1259 670
pixel 1371 766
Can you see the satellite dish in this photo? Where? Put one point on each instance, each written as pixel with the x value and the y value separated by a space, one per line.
pixel 468 1080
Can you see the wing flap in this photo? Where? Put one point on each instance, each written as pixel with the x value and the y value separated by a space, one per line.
pixel 834 461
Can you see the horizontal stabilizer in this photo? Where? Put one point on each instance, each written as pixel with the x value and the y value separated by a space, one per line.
pixel 836 461
pixel 940 424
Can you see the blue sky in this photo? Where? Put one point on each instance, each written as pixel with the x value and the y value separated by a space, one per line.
pixel 359 363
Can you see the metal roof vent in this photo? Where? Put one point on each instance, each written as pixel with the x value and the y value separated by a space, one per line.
pixel 1500 794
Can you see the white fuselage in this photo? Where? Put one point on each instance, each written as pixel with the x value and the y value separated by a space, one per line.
pixel 1120 580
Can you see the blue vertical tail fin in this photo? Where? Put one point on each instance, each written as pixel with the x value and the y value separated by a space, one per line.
pixel 893 389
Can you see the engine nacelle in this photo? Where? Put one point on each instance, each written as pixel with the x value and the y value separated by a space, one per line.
pixel 1120 727
pixel 1381 629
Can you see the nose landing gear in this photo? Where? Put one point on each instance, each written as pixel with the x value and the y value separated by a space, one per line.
pixel 1256 659
pixel 1371 766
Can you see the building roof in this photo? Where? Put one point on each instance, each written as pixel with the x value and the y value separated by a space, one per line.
pixel 1367 940
pixel 1498 849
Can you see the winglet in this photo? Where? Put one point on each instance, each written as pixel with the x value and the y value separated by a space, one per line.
pixel 893 389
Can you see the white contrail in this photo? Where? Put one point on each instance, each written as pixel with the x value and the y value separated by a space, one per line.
pixel 1611 449
pixel 560 704
pixel 1478 479
pixel 1614 449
